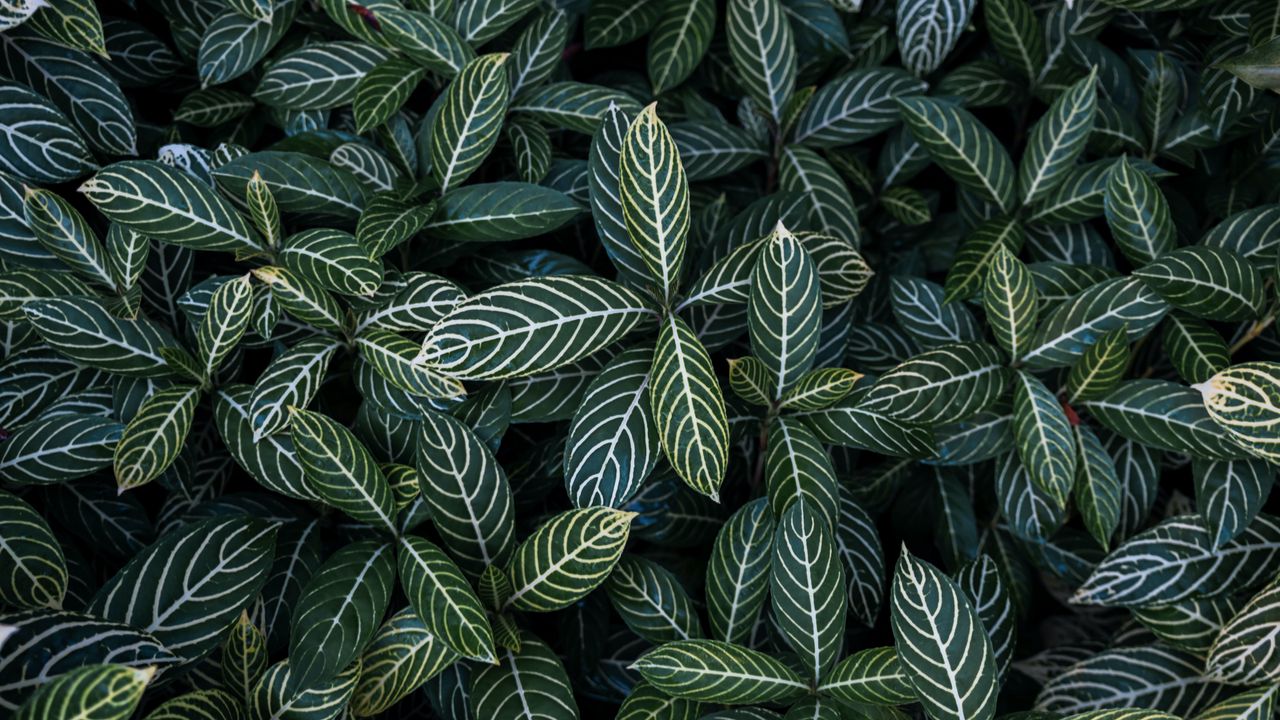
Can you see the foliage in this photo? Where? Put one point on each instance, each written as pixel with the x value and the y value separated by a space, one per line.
pixel 662 359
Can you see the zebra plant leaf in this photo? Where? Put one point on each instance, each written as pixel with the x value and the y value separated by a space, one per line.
pixel 764 52
pixel 805 579
pixel 566 558
pixel 655 198
pixel 930 29
pixel 527 683
pixel 466 126
pixel 35 568
pixel 719 672
pixel 651 601
pixel 154 437
pixel 109 692
pixel 341 470
pixel 961 145
pixel 1243 401
pixel 693 427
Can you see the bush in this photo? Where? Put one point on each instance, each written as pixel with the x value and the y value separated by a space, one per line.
pixel 505 359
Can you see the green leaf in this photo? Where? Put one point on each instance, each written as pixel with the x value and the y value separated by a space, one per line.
pixel 391 356
pixel 567 557
pixel 33 569
pixel 302 298
pixel 763 51
pixel 1244 400
pixel 467 491
pixel 1070 328
pixel 1164 415
pixel 1229 494
pixel 1101 367
pixel 84 330
pixel 531 326
pixel 280 692
pixel 818 389
pixel 426 40
pixel 651 601
pixel 155 436
pixel 300 184
pixel 941 643
pixel 58 449
pixel 1248 705
pixel 1017 35
pixel 1177 559
pixel 63 231
pixel 334 260
pixel 500 211
pixel 291 380
pixel 960 144
pixel 341 470
pixel 470 115
pixel 233 44
pixel 169 205
pixel 738 572
pixel 678 42
pixel 481 20
pixel 610 23
pixel 973 260
pixel 1044 438
pixel 576 106
pixel 1149 676
pixel 529 684
pixel 74 23
pixel 784 309
pixel 870 677
pixel 1137 214
pixel 1196 351
pixel 613 442
pixel 446 603
pixel 688 405
pixel 388 221
pixel 224 324
pixel 339 611
pixel 1190 625
pixel 605 178
pixel 928 30
pixel 918 306
pixel 93 692
pixel 244 658
pixel 655 198
pixel 645 702
pixel 1208 282
pixel 1011 301
pixel 980 581
pixel 41 144
pixel 856 106
pixel 187 588
pixel 1098 490
pixel 832 209
pixel 850 424
pixel 384 90
pixel 797 467
pixel 402 655
pixel 317 77
pixel 1058 139
pixel 210 704
pixel 718 672
pixel 943 385
pixel 805 583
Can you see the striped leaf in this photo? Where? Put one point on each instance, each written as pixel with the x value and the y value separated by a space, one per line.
pixel 973 260
pixel 424 39
pixel 1057 139
pixel 855 106
pixel 84 330
pixel 1153 677
pixel 528 684
pixel 646 702
pixel 1248 705
pixel 929 30
pixel 613 442
pixel 1137 214
pixel 1230 493
pixel 943 385
pixel 332 259
pixel 738 572
pixel 576 106
pixel 805 583
pixel 402 655
pixel 610 23
pixel 93 692
pixel 467 123
pixel 155 436
pixel 1070 329
pixel 655 198
pixel 280 692
pixel 317 77
pixel 302 297
pixel 1012 302
pixel 819 388
pixel 199 705
pixel 33 569
pixel 870 677
pixel 1168 416
pixel 187 588
pixel 849 424
pixel 1044 437
pixel 918 306
pixel 41 145
pixel 233 44
pixel 832 210
pixel 1243 653
pixel 1207 282
pixel 1097 487
pixel 1244 400
pixel 566 558
pixel 63 231
pixel 57 449
pixel 719 672
pixel 784 308
pixel 961 146
pixel 1196 351
pixel 339 611
pixel 244 658
pixel 941 643
pixel 531 326
pixel 392 356
pixel 688 406
pixel 292 379
pixel 299 183
pixel 678 42
pixel 1101 367
pixel 1190 625
pixel 651 601
pixel 605 182
pixel 442 598
pixel 341 470
pixel 467 491
pixel 981 582
pixel 797 467
pixel 763 50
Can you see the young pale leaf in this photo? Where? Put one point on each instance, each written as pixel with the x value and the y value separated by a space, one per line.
pixel 718 672
pixel 566 558
pixel 655 198
pixel 244 657
pixel 1244 400
pixel 941 643
pixel 688 406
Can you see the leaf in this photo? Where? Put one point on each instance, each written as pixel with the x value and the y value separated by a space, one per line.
pixel 678 42
pixel 1153 677
pixel 426 40
pixel 332 259
pixel 952 382
pixel 576 106
pixel 93 692
pixel 1017 35
pixel 981 582
pixel 233 44
pixel 290 380
pixel 1207 282
pixel 317 77
pixel 1176 560
pixel 871 677
pixel 941 643
pixel 41 145
pixel 651 601
pixel 1097 488
pixel 763 51
pixel 1230 493
pixel 1165 415
pixel 738 572
pixel 82 329
pixel 402 655
pixel 1137 214
pixel 467 491
pixel 339 611
pixel 605 178
pixel 610 23
pixel 341 470
pixel 959 143
pixel 500 211
pixel 187 588
pixel 443 599
pixel 280 692
pixel 857 105
pixel 212 704
pixel 1044 437
pixel 33 569
pixel 529 684
pixel 299 183
pixel 718 672
pixel 1057 140
pixel 688 406
pixel 243 660
pixel 74 23
pixel 466 126
pixel 155 436
pixel 1011 301
pixel 480 20
pixel 1244 400
pixel 783 308
pixel 613 443
pixel 170 205
pixel 805 580
pixel 566 558
pixel 646 701
pixel 1101 368
pixel 929 30
pixel 850 424
pixel 655 198
pixel 1070 328
pixel 918 306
